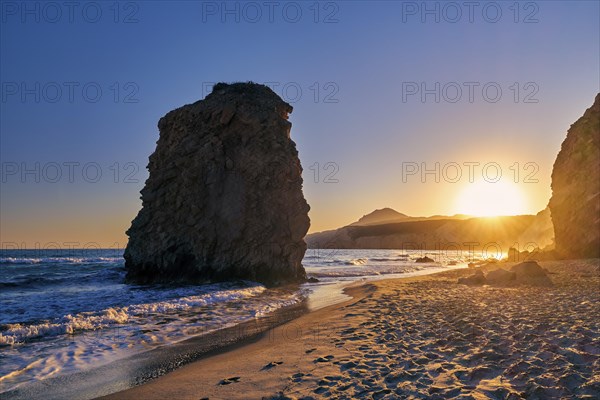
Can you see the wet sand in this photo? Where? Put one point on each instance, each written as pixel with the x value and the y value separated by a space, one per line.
pixel 421 337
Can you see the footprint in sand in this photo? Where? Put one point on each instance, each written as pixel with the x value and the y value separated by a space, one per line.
pixel 270 365
pixel 348 365
pixel 299 377
pixel 231 380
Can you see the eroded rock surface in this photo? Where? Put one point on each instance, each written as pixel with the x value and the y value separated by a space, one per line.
pixel 575 202
pixel 224 197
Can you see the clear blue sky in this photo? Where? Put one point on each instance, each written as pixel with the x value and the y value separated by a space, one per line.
pixel 363 56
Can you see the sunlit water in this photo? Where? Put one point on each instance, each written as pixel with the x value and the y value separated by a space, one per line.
pixel 67 311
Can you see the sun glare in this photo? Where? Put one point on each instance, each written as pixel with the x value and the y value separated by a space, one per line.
pixel 485 199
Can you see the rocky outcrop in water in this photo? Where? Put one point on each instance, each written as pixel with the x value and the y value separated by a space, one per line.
pixel 575 202
pixel 224 197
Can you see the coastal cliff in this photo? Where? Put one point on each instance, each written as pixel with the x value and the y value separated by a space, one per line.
pixel 224 197
pixel 575 202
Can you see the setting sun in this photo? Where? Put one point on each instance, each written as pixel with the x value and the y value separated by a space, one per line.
pixel 486 199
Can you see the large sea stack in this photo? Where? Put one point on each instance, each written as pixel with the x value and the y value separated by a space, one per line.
pixel 224 197
pixel 575 202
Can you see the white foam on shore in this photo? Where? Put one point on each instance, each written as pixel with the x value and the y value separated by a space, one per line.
pixel 58 260
pixel 94 318
pixel 91 339
pixel 69 324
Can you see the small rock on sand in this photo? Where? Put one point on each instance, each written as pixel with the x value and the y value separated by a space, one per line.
pixel 476 279
pixel 500 276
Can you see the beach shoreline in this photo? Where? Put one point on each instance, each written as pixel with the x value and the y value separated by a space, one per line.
pixel 140 368
pixel 274 334
pixel 414 337
pixel 136 334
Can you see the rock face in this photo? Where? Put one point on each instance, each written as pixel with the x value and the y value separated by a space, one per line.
pixel 575 202
pixel 224 197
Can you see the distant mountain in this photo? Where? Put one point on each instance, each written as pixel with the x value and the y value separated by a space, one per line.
pixel 388 216
pixel 384 215
pixel 389 229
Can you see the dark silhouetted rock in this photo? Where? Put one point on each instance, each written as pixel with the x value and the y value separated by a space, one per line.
pixel 575 202
pixel 424 260
pixel 224 197
pixel 476 279
pixel 500 276
pixel 530 272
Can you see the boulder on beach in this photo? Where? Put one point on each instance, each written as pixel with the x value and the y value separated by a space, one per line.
pixel 531 273
pixel 526 273
pixel 489 265
pixel 476 279
pixel 424 260
pixel 500 276
pixel 224 197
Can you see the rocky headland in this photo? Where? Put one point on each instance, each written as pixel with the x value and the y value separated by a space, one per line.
pixel 575 202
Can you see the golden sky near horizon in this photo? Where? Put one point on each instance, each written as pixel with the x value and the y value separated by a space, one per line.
pixel 67 221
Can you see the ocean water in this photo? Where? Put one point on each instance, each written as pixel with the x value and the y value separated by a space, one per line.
pixel 65 311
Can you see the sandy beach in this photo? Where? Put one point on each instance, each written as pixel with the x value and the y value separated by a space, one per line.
pixel 420 337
